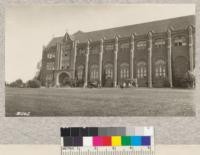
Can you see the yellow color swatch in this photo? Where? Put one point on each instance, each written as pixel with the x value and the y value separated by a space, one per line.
pixel 116 140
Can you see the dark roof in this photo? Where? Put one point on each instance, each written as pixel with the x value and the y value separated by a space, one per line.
pixel 138 29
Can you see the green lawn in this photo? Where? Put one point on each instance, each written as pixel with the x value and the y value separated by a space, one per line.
pixel 100 102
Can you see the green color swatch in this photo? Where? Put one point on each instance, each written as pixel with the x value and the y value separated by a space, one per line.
pixel 126 140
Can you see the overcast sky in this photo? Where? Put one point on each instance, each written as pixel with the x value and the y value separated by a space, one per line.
pixel 28 28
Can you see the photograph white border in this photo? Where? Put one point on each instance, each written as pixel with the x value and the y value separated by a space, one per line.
pixel 45 130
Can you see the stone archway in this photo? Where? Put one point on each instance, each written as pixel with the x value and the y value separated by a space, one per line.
pixel 63 79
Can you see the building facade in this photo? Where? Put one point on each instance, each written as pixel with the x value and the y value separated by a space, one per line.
pixel 157 54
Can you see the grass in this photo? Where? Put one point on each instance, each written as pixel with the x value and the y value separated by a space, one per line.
pixel 100 102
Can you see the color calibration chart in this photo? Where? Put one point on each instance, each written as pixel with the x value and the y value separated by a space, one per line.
pixel 107 141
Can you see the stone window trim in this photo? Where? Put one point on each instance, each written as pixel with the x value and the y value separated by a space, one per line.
pixel 65 53
pixel 141 44
pixel 50 66
pixel 124 71
pixel 81 51
pixel 109 47
pixel 109 71
pixel 51 55
pixel 124 45
pixel 160 69
pixel 94 50
pixel 160 42
pixel 141 69
pixel 180 41
pixel 94 72
pixel 49 77
pixel 80 72
pixel 68 47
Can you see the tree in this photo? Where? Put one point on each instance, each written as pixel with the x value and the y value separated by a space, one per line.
pixel 18 83
pixel 38 72
pixel 33 83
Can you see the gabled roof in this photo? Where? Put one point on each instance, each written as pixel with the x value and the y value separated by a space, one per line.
pixel 124 31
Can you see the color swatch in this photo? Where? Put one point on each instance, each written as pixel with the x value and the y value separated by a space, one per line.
pixel 105 136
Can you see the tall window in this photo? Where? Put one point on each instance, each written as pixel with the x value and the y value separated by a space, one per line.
pixel 94 72
pixel 109 47
pixel 160 69
pixel 49 77
pixel 159 43
pixel 94 50
pixel 141 70
pixel 81 51
pixel 51 55
pixel 124 47
pixel 50 66
pixel 66 53
pixel 124 71
pixel 80 70
pixel 180 41
pixel 109 71
pixel 141 44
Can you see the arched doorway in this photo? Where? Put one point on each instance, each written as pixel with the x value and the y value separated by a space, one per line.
pixel 180 68
pixel 64 79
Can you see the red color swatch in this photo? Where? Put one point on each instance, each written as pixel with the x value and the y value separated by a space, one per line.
pixel 106 140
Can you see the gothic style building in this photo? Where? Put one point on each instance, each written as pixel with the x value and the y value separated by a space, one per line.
pixel 157 54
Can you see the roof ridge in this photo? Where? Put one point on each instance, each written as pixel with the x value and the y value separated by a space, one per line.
pixel 85 32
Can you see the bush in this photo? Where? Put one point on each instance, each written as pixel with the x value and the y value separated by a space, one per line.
pixel 79 83
pixel 166 83
pixel 189 80
pixel 18 84
pixel 33 83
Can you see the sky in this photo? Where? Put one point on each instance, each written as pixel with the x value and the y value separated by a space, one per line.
pixel 29 27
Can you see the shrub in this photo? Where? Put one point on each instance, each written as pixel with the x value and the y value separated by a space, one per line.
pixel 166 83
pixel 188 80
pixel 18 84
pixel 33 83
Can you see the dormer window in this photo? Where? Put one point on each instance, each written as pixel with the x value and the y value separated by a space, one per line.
pixel 159 43
pixel 180 41
pixel 94 50
pixel 50 66
pixel 109 47
pixel 124 46
pixel 81 51
pixel 141 45
pixel 51 55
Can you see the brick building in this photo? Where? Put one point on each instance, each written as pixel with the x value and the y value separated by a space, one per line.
pixel 157 54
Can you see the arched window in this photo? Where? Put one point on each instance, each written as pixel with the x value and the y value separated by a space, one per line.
pixel 109 47
pixel 94 50
pixel 141 70
pixel 109 71
pixel 50 66
pixel 124 47
pixel 80 70
pixel 94 72
pixel 49 77
pixel 51 55
pixel 160 68
pixel 180 41
pixel 159 43
pixel 141 44
pixel 124 71
pixel 81 51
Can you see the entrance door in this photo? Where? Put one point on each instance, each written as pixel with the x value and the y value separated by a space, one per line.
pixel 64 79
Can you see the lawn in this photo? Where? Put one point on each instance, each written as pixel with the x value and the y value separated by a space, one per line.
pixel 100 102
